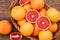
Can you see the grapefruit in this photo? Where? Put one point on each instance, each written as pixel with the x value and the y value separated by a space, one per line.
pixel 5 27
pixel 54 27
pixel 15 36
pixel 26 29
pixel 20 23
pixel 36 30
pixel 27 7
pixel 43 22
pixel 42 12
pixel 53 14
pixel 38 5
pixel 32 15
pixel 18 13
pixel 45 35
pixel 23 2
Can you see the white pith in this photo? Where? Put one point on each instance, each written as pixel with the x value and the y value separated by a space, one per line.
pixel 27 13
pixel 24 3
pixel 43 23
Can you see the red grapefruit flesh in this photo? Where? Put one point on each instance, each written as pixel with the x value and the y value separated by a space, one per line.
pixel 43 23
pixel 32 15
pixel 23 2
pixel 15 36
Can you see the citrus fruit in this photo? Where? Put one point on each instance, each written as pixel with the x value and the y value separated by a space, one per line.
pixel 26 29
pixel 53 14
pixel 27 7
pixel 20 23
pixel 54 27
pixel 43 22
pixel 42 12
pixel 45 35
pixel 18 13
pixel 15 36
pixel 32 15
pixel 5 27
pixel 36 30
pixel 38 5
pixel 23 2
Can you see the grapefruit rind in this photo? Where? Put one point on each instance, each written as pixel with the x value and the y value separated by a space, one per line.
pixel 27 13
pixel 15 32
pixel 47 27
pixel 24 3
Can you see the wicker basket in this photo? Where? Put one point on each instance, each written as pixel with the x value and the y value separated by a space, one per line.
pixel 48 3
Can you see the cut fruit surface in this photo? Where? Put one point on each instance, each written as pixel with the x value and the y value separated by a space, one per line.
pixel 15 36
pixel 32 15
pixel 43 23
pixel 23 2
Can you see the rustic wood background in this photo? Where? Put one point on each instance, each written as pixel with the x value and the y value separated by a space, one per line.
pixel 5 14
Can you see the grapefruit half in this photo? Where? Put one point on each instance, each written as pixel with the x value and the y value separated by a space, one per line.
pixel 23 2
pixel 43 22
pixel 32 15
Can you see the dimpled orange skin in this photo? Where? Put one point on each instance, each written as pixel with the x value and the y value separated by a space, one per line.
pixel 45 35
pixel 54 27
pixel 18 13
pixel 53 14
pixel 5 27
pixel 27 7
pixel 20 23
pixel 36 30
pixel 26 29
pixel 42 12
pixel 37 4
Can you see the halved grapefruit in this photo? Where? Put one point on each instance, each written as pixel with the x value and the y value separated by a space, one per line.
pixel 23 2
pixel 43 22
pixel 32 15
pixel 15 36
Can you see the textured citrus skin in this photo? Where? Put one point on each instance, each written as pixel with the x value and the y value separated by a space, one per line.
pixel 5 27
pixel 38 5
pixel 27 7
pixel 21 22
pixel 26 29
pixel 18 13
pixel 54 27
pixel 45 35
pixel 53 14
pixel 36 30
pixel 42 12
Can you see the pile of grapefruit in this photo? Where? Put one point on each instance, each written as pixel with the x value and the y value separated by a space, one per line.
pixel 34 20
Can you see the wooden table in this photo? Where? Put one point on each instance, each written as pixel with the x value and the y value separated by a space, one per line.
pixel 5 14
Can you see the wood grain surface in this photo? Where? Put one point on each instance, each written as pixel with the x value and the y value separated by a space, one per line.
pixel 5 14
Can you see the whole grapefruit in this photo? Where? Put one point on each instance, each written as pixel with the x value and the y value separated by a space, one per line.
pixel 18 13
pixel 45 35
pixel 5 27
pixel 42 12
pixel 27 7
pixel 21 22
pixel 54 27
pixel 53 14
pixel 26 29
pixel 36 30
pixel 37 4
